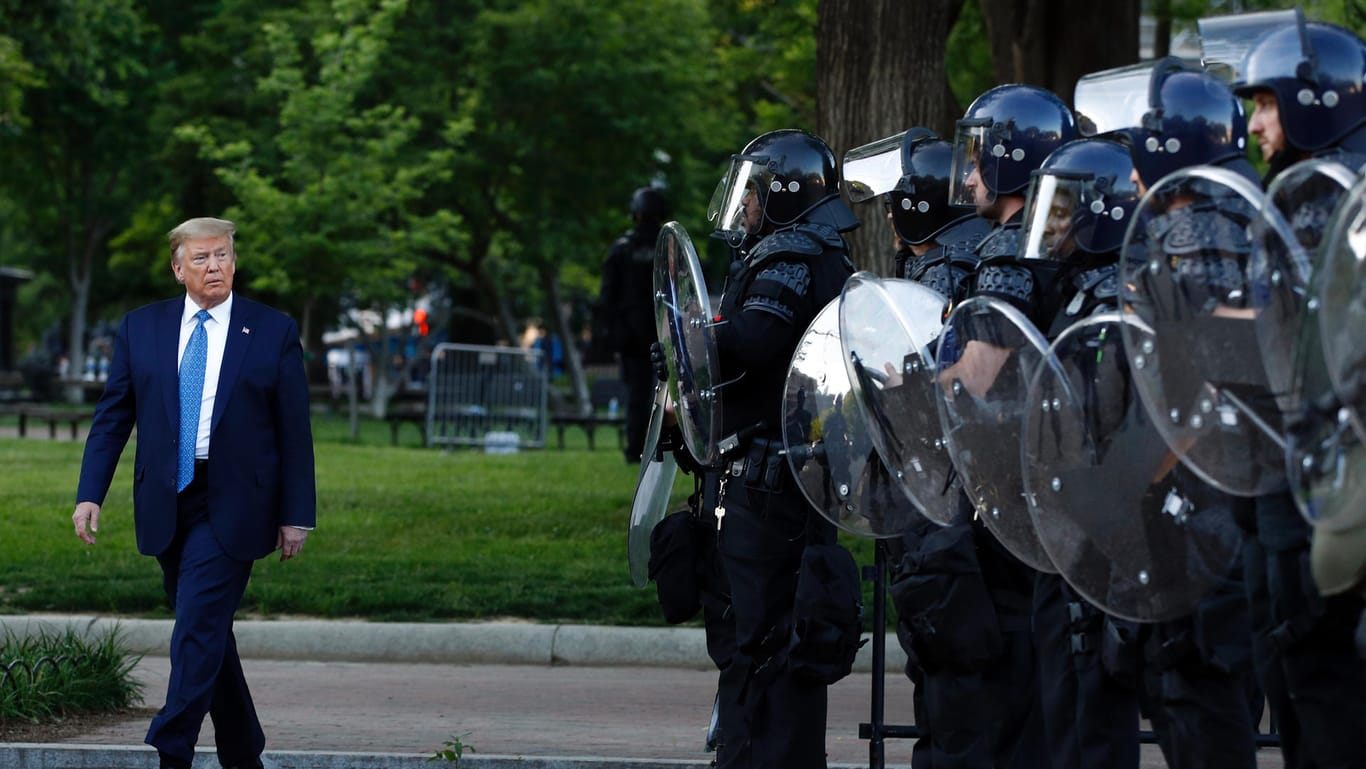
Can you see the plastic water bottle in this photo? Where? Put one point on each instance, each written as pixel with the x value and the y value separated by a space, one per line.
pixel 612 406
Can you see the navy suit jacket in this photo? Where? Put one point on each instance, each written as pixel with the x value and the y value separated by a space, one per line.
pixel 260 467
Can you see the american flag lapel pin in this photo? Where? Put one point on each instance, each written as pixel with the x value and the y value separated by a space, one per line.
pixel 246 330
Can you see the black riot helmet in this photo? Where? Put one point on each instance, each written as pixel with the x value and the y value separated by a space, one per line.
pixel 648 204
pixel 1004 135
pixel 781 178
pixel 920 202
pixel 1080 200
pixel 1315 70
pixel 1172 114
pixel 910 171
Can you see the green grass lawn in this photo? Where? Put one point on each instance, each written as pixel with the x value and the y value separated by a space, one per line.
pixel 404 533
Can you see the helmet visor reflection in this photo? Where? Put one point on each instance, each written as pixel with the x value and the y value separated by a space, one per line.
pixel 873 169
pixel 1056 217
pixel 967 176
pixel 736 205
pixel 1113 99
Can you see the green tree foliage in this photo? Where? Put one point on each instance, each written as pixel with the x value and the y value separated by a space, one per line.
pixel 326 203
pixel 16 74
pixel 72 172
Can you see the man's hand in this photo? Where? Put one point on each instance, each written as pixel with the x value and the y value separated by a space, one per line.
pixel 977 368
pixel 86 513
pixel 290 541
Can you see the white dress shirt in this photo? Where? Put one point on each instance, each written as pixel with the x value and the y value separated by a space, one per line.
pixel 217 329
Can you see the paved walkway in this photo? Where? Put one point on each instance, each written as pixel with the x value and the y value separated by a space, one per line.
pixel 322 711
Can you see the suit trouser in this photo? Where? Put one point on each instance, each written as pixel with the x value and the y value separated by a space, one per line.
pixel 204 586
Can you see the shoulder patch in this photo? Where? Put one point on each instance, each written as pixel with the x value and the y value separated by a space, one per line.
pixel 1000 243
pixel 779 288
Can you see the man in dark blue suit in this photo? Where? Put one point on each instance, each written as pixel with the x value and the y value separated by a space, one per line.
pixel 223 474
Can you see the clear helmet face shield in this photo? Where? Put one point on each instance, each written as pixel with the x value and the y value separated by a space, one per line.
pixel 1064 213
pixel 1225 40
pixel 737 205
pixel 972 175
pixel 1113 100
pixel 873 169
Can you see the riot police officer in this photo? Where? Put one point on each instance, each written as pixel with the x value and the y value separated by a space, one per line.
pixel 1004 136
pixel 1191 118
pixel 1080 201
pixel 627 296
pixel 779 209
pixel 1305 84
pixel 936 246
pixel 1305 80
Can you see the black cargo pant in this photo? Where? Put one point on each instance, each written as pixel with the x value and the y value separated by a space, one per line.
pixel 1090 715
pixel 1303 644
pixel 1197 684
pixel 769 717
pixel 963 609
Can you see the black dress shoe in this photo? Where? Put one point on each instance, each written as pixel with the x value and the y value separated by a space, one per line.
pixel 251 763
pixel 169 761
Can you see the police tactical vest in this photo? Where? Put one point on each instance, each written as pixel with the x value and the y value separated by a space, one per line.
pixel 791 274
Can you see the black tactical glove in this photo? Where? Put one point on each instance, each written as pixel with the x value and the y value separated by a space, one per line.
pixel 659 362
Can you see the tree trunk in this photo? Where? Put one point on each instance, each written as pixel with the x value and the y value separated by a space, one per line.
pixel 559 326
pixel 871 84
pixel 80 258
pixel 1052 43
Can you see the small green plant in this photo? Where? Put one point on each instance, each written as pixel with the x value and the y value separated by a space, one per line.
pixel 455 749
pixel 47 676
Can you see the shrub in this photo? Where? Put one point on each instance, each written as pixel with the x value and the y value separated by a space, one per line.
pixel 48 676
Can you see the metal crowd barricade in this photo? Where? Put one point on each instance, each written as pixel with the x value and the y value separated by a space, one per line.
pixel 482 396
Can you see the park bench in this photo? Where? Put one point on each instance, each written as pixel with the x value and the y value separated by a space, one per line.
pixel 407 406
pixel 53 415
pixel 600 396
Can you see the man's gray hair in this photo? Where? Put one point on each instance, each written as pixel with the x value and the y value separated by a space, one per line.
pixel 200 227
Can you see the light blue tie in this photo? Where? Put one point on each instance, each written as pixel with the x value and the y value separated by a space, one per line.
pixel 192 365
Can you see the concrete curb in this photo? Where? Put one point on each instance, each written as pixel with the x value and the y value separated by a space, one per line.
pixel 39 756
pixel 487 643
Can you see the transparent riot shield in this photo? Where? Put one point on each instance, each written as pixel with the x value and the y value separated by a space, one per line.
pixel 988 354
pixel 653 487
pixel 829 445
pixel 1342 311
pixel 888 329
pixel 1326 460
pixel 1129 527
pixel 1286 259
pixel 683 320
pixel 1185 262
